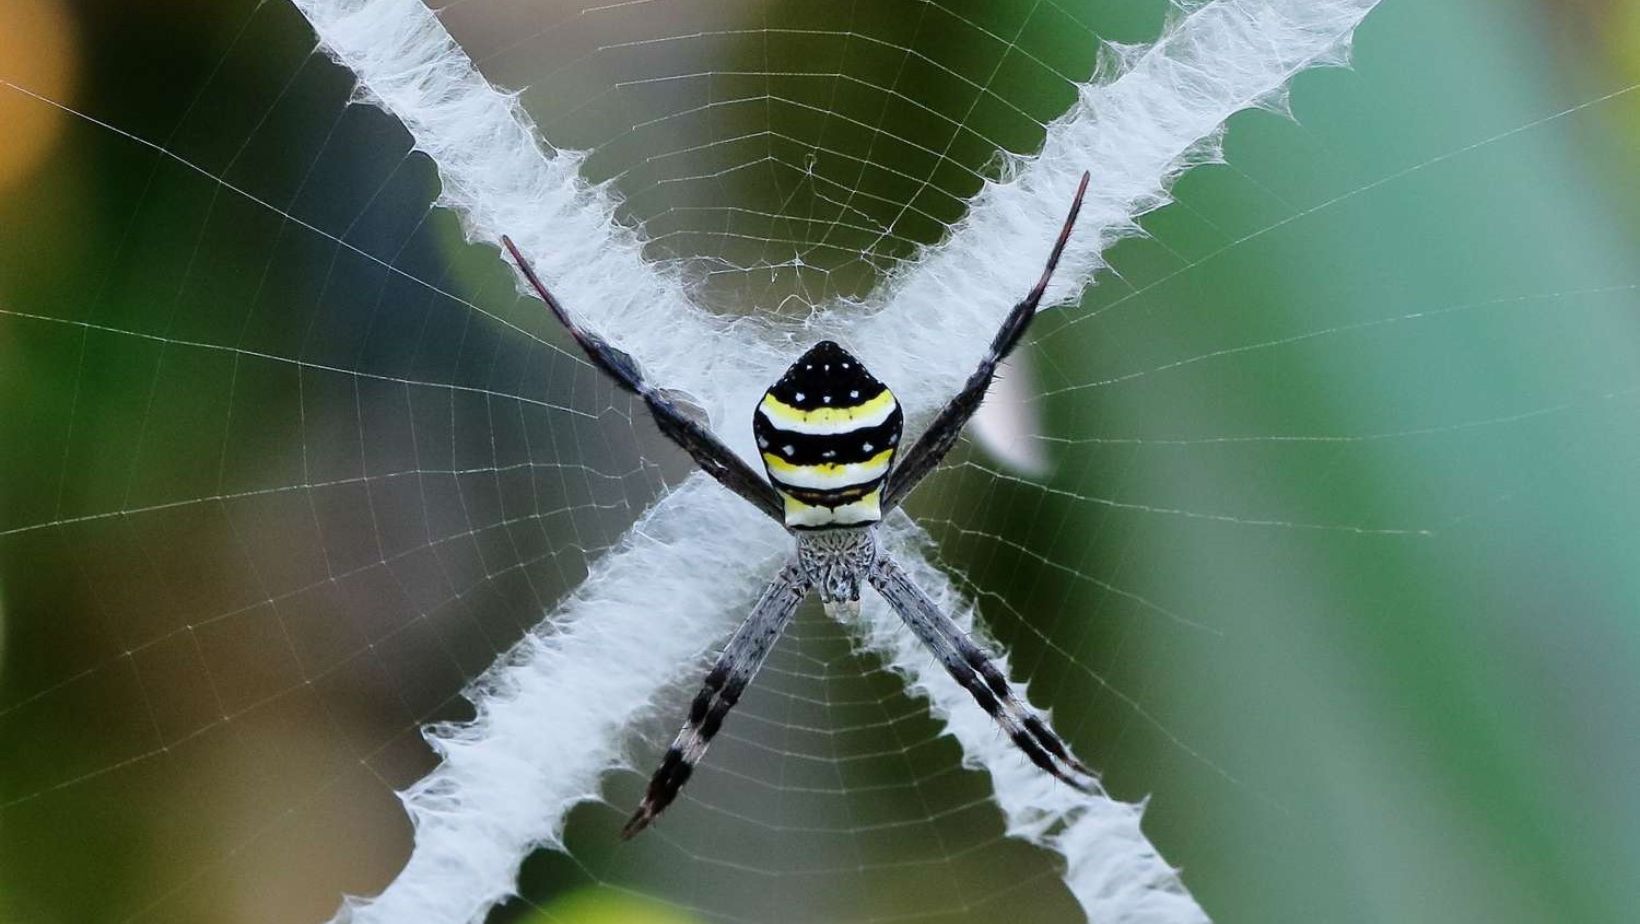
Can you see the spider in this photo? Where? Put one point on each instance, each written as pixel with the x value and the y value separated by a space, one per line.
pixel 828 432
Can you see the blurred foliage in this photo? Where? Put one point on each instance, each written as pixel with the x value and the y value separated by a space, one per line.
pixel 605 906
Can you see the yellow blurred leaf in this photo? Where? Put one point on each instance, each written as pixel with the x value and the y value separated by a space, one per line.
pixel 37 56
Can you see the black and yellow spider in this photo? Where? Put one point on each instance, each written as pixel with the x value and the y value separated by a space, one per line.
pixel 828 432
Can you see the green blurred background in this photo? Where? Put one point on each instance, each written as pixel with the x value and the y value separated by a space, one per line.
pixel 1336 562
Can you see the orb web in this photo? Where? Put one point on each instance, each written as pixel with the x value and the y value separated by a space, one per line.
pixel 289 464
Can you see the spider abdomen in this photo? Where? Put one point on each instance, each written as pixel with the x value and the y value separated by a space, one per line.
pixel 827 432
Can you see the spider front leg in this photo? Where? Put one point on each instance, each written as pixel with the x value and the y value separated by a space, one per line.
pixel 735 668
pixel 706 449
pixel 974 669
pixel 922 458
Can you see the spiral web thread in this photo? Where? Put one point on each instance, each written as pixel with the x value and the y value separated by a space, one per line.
pixel 294 474
pixel 1160 113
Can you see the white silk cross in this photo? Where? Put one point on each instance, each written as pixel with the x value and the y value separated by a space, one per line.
pixel 552 715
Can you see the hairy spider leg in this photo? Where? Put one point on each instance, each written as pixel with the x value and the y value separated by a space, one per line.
pixel 703 446
pixel 925 454
pixel 828 431
pixel 974 669
pixel 735 668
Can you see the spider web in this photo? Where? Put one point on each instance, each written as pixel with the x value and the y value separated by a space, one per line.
pixel 1329 552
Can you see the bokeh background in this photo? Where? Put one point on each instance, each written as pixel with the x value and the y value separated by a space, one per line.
pixel 1336 557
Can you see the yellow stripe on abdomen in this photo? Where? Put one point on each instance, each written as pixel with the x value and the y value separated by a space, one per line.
pixel 828 420
pixel 828 475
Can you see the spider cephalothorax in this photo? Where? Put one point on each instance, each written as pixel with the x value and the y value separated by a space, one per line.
pixel 829 433
pixel 836 561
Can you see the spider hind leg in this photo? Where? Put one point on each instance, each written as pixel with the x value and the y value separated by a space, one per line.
pixel 1025 728
pixel 735 667
pixel 720 692
pixel 971 667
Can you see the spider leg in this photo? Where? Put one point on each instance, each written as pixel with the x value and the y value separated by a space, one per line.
pixel 707 450
pixel 735 667
pixel 974 669
pixel 941 435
